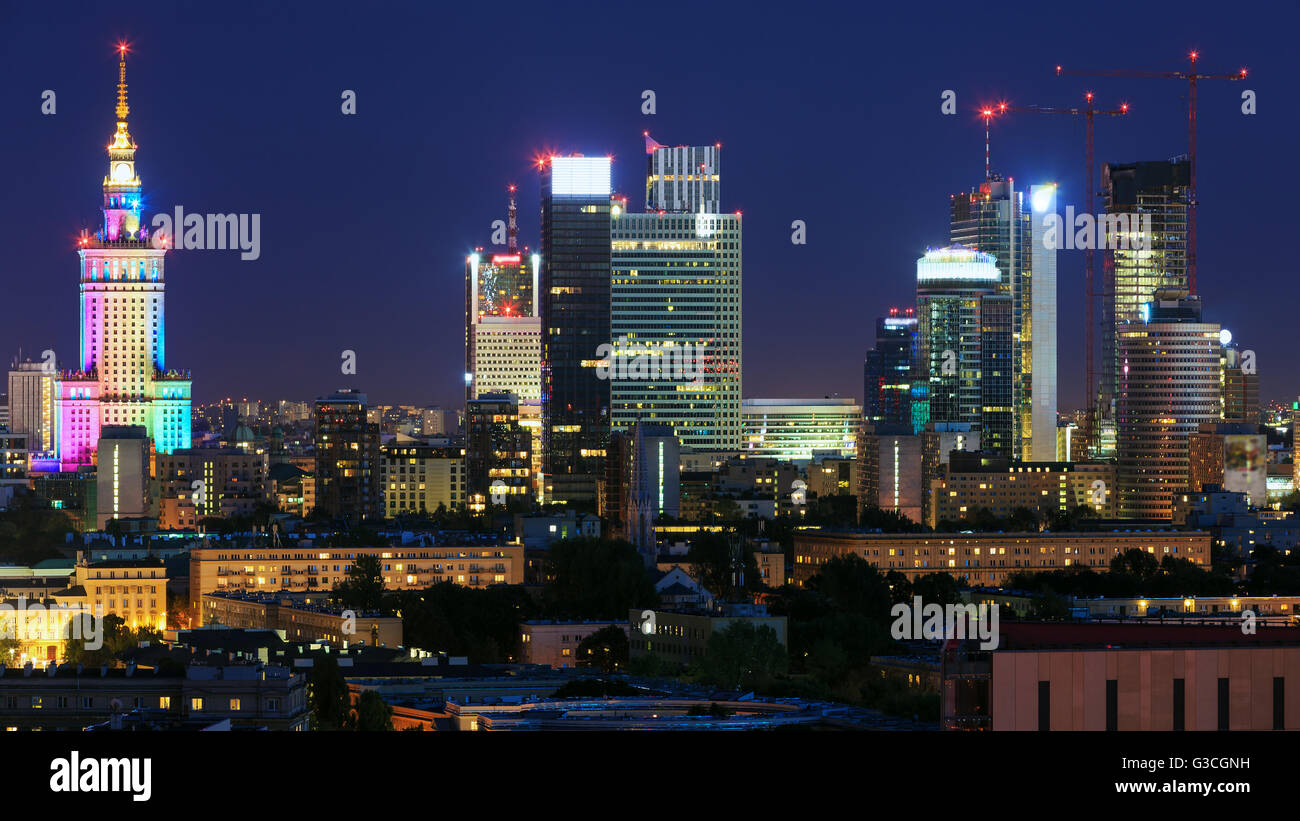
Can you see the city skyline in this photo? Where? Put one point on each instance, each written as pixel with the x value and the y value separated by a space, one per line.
pixel 310 289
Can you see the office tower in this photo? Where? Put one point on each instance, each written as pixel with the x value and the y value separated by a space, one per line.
pixel 1169 385
pixel 498 451
pixel 1240 383
pixel 675 297
pixel 575 310
pixel 1038 429
pixel 347 458
pixel 993 219
pixel 33 403
pixel 684 179
pixel 433 422
pixel 503 332
pixel 123 377
pixel 1155 259
pixel 653 487
pixel 198 483
pixel 800 430
pixel 997 414
pixel 887 371
pixel 951 285
pixel 421 478
pixel 122 475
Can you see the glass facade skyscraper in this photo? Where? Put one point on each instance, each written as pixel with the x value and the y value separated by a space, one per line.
pixel 1135 274
pixel 887 373
pixel 675 306
pixel 994 219
pixel 951 286
pixel 575 310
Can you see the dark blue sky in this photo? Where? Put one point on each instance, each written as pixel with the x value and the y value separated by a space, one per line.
pixel 827 113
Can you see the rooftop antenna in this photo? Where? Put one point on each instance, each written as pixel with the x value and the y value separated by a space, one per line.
pixel 512 225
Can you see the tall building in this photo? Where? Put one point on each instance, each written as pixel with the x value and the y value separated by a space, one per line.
pixel 951 286
pixel 575 310
pixel 1155 261
pixel 1038 428
pixel 498 451
pixel 800 430
pixel 33 404
pixel 675 297
pixel 123 377
pixel 347 458
pixel 1169 386
pixel 1240 383
pixel 887 373
pixel 503 331
pixel 994 220
pixel 122 476
pixel 683 179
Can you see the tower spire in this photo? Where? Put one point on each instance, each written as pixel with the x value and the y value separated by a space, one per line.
pixel 122 108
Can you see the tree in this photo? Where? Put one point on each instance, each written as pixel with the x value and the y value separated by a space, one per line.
pixel 595 579
pixel 328 695
pixel 462 621
pixel 711 556
pixel 744 656
pixel 372 714
pixel 363 589
pixel 607 648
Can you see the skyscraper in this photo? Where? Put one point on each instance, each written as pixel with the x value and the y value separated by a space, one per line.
pixel 123 379
pixel 503 331
pixel 1155 261
pixel 993 219
pixel 1039 435
pixel 1169 385
pixel 675 299
pixel 575 309
pixel 887 373
pixel 951 286
pixel 1240 383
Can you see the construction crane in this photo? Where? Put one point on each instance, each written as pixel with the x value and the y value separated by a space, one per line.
pixel 1089 113
pixel 1192 76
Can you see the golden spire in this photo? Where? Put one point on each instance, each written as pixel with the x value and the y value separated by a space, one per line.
pixel 122 108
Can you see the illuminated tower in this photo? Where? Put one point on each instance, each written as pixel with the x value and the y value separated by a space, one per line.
pixel 123 378
pixel 503 332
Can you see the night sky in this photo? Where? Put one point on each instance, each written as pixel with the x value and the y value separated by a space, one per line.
pixel 826 114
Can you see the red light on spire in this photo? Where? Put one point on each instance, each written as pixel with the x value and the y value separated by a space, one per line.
pixel 1088 96
pixel 1194 55
pixel 1243 73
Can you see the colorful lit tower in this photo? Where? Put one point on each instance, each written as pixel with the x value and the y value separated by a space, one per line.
pixel 122 378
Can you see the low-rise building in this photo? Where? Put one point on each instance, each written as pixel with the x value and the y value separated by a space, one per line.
pixel 989 558
pixel 683 637
pixel 555 643
pixel 1054 676
pixel 301 618
pixel 73 698
pixel 302 569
